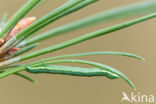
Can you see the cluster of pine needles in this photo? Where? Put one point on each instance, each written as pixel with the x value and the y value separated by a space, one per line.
pixel 16 38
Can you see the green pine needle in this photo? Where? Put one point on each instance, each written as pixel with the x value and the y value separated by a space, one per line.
pixel 25 41
pixel 89 54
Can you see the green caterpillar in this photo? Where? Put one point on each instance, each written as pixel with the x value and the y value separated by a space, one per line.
pixel 74 71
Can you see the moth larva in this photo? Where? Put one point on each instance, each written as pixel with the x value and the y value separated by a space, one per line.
pixel 75 71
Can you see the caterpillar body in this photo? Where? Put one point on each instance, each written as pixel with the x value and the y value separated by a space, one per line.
pixel 74 71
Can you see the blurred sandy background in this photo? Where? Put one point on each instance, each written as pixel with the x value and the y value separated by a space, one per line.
pixel 59 89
